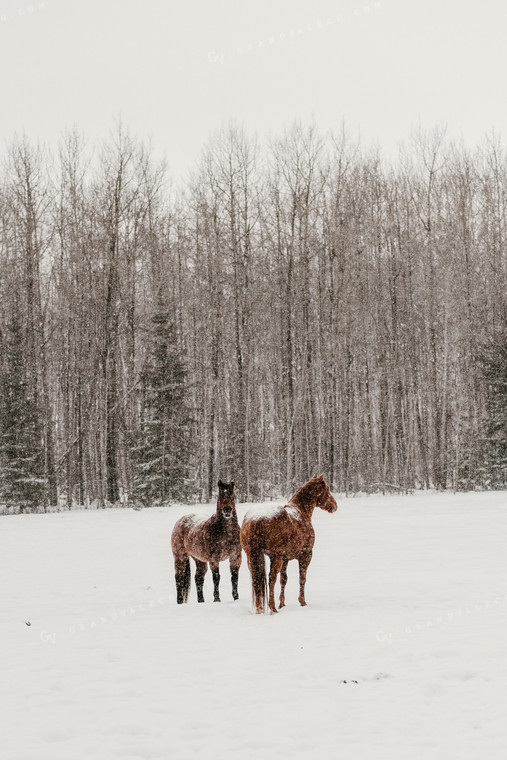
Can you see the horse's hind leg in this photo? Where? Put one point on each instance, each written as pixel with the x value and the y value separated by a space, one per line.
pixel 283 582
pixel 200 572
pixel 216 581
pixel 274 569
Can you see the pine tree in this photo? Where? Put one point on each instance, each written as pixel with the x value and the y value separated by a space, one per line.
pixel 162 448
pixel 494 363
pixel 22 479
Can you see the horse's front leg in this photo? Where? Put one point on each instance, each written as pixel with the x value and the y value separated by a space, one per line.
pixel 283 582
pixel 182 576
pixel 304 561
pixel 216 581
pixel 200 571
pixel 235 563
pixel 274 569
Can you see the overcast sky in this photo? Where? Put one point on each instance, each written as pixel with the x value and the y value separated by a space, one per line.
pixel 177 70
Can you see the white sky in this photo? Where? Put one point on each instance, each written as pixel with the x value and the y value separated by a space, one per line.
pixel 175 70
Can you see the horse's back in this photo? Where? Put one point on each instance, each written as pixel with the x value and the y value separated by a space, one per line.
pixel 181 531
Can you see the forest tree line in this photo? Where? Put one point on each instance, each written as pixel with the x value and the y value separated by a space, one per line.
pixel 299 306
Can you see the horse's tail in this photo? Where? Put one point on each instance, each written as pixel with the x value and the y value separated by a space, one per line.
pixel 259 581
pixel 185 586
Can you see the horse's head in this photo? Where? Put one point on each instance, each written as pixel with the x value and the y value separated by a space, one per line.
pixel 315 493
pixel 325 499
pixel 226 505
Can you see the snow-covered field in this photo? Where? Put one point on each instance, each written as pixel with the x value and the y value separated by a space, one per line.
pixel 400 653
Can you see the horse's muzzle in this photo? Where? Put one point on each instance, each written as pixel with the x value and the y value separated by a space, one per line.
pixel 227 512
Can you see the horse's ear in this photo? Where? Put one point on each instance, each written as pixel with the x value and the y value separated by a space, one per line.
pixel 220 484
pixel 231 486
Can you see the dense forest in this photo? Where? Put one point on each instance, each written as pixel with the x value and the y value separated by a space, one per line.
pixel 299 305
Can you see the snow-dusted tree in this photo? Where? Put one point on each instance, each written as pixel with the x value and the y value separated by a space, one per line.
pixel 494 363
pixel 29 196
pixel 161 448
pixel 22 479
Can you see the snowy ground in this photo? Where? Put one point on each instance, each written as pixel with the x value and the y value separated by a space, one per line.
pixel 407 596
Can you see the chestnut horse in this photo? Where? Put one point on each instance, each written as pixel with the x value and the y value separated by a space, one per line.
pixel 206 540
pixel 283 533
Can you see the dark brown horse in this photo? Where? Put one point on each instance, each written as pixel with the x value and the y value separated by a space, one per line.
pixel 212 540
pixel 283 533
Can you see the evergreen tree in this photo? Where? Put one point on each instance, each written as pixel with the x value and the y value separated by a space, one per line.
pixel 22 479
pixel 494 363
pixel 162 448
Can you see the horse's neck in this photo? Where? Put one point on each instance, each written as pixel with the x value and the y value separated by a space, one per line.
pixel 300 504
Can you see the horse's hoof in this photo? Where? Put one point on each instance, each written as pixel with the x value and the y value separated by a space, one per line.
pixel 216 600
pixel 302 603
pixel 282 604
